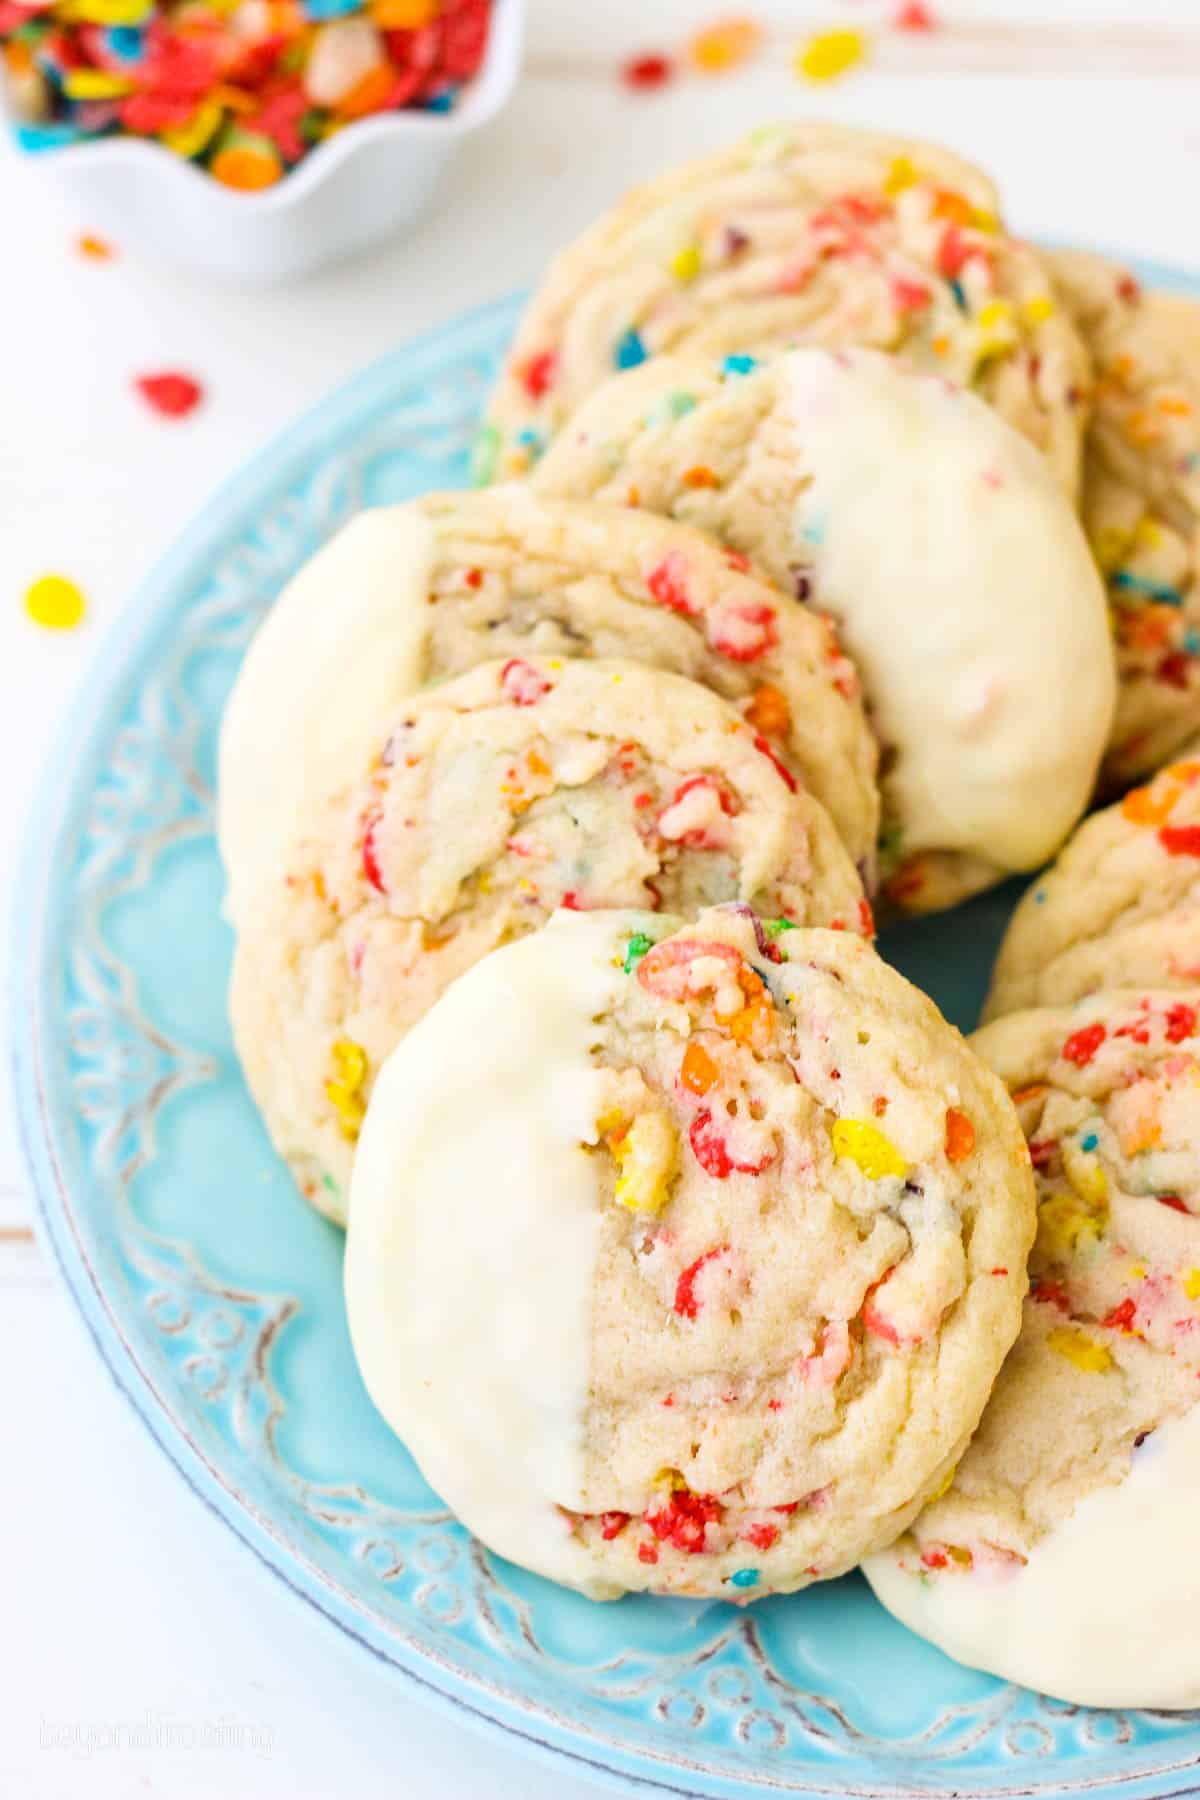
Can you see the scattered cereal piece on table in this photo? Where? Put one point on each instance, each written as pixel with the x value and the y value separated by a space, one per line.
pixel 830 54
pixel 55 602
pixel 171 394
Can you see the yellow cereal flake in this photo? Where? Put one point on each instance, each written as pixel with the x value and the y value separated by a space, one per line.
pixel 685 264
pixel 1083 1351
pixel 1064 1223
pixel 997 330
pixel 829 54
pixel 1038 309
pixel 1190 1281
pixel 344 1089
pixel 865 1145
pixel 1085 1174
pixel 646 1162
pixel 902 174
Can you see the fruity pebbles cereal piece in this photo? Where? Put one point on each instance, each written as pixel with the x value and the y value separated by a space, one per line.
pixel 762 1253
pixel 937 537
pixel 1119 908
pixel 487 802
pixel 1060 1554
pixel 415 593
pixel 1141 499
pixel 801 234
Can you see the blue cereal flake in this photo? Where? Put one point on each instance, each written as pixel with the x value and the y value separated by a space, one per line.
pixel 124 42
pixel 319 10
pixel 744 1578
pixel 531 440
pixel 1191 641
pixel 629 350
pixel 739 365
pixel 960 295
pixel 1089 1142
pixel 37 138
pixel 814 532
pixel 441 102
pixel 1151 590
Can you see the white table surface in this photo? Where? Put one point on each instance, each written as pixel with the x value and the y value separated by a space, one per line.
pixel 127 1608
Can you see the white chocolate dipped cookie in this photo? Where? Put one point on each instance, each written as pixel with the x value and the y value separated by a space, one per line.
pixel 416 593
pixel 962 584
pixel 1061 1554
pixel 489 801
pixel 729 1243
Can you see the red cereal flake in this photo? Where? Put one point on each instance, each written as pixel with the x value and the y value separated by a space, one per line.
pixel 537 377
pixel 1050 1293
pixel 687 1301
pixel 1083 1044
pixel 643 73
pixel 667 582
pixel 1171 1200
pixel 934 1558
pixel 1043 1152
pixel 866 918
pixel 915 16
pixel 785 775
pixel 700 837
pixel 171 394
pixel 647 1553
pixel 474 578
pixel 701 476
pixel 612 1524
pixel 1181 1023
pixel 1180 840
pixel 711 1150
pixel 909 296
pixel 744 633
pixel 738 560
pixel 523 684
pixel 761 1536
pixel 1128 288
pixel 1120 1318
pixel 682 1521
pixel 370 857
pixel 953 252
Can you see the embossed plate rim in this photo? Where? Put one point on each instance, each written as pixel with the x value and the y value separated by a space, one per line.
pixel 434 1678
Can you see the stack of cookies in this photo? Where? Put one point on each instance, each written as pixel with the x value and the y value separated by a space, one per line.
pixel 688 1244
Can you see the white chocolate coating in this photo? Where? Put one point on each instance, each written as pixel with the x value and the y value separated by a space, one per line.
pixel 493 1410
pixel 1106 1610
pixel 342 644
pixel 967 597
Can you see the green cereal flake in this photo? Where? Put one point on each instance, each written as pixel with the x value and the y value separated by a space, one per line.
pixel 485 452
pixel 776 927
pixel 636 948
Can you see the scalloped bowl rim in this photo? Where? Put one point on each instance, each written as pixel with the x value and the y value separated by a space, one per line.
pixel 483 98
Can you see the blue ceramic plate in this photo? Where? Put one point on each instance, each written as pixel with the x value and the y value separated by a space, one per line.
pixel 215 1297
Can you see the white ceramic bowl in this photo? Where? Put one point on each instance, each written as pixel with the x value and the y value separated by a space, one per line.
pixel 351 191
